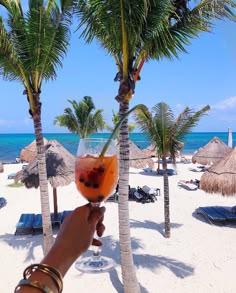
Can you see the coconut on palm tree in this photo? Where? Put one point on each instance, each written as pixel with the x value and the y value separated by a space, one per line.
pixel 83 119
pixel 32 44
pixel 166 134
pixel 134 32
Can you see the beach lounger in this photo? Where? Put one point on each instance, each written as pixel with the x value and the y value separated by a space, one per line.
pixel 152 190
pixel 11 176
pixel 56 220
pixel 143 196
pixel 170 172
pixel 25 224
pixel 3 202
pixel 188 185
pixel 217 214
pixel 198 169
pixel 64 214
pixel 37 224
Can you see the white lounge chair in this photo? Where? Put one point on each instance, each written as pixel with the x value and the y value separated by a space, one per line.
pixel 187 185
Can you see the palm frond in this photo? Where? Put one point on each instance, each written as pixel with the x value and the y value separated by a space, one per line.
pixel 35 42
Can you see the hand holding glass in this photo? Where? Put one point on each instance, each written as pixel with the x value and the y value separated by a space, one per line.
pixel 96 176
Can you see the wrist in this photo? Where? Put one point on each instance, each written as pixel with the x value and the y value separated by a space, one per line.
pixel 59 259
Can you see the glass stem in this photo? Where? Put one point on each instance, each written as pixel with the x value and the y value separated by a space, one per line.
pixel 96 249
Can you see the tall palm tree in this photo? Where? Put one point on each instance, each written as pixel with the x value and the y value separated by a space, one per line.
pixel 134 32
pixel 83 119
pixel 166 134
pixel 32 44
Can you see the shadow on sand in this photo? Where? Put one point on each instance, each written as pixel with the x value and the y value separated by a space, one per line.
pixel 110 249
pixel 153 225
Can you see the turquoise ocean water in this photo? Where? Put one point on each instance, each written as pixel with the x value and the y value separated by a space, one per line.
pixel 11 144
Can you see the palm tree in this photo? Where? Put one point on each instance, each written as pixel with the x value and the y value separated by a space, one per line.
pixel 166 134
pixel 83 119
pixel 115 120
pixel 134 32
pixel 32 45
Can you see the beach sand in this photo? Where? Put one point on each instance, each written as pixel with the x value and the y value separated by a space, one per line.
pixel 197 258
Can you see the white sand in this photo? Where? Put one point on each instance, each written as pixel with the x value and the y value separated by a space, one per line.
pixel 198 257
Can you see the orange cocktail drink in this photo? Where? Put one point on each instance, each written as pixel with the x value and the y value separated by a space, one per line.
pixel 96 176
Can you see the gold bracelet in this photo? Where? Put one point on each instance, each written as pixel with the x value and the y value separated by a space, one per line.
pixel 34 284
pixel 53 273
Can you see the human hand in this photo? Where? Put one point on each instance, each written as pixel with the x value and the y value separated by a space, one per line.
pixel 75 236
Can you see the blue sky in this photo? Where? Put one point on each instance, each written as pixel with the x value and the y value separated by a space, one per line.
pixel 206 75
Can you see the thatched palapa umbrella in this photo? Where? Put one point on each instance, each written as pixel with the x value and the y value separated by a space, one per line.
pixel 150 151
pixel 1 167
pixel 29 153
pixel 60 169
pixel 137 158
pixel 211 153
pixel 221 177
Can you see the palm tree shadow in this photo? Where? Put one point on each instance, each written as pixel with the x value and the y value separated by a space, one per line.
pixel 111 249
pixel 27 242
pixel 152 225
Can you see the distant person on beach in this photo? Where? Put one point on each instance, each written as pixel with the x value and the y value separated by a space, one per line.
pixel 74 238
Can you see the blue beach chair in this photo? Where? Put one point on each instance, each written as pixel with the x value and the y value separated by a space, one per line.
pixel 56 220
pixel 37 224
pixel 3 202
pixel 217 214
pixel 64 214
pixel 25 224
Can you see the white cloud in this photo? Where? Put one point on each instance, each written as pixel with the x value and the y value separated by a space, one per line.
pixel 229 103
pixel 179 106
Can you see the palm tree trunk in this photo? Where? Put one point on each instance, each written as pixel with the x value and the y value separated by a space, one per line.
pixel 166 198
pixel 55 205
pixel 45 207
pixel 130 281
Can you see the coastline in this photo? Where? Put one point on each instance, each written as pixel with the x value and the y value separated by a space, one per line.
pixel 198 257
pixel 12 144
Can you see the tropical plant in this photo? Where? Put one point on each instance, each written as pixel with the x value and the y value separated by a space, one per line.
pixel 167 134
pixel 133 32
pixel 83 119
pixel 115 120
pixel 32 44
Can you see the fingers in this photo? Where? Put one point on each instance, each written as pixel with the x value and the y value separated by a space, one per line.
pixel 96 242
pixel 96 215
pixel 100 229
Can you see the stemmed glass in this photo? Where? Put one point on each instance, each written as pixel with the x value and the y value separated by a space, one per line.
pixel 96 175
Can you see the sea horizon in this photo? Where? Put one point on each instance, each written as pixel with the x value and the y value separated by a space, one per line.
pixel 11 144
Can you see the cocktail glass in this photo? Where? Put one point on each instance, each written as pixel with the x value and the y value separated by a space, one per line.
pixel 96 176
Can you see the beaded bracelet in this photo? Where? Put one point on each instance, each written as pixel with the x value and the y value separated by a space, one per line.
pixel 33 284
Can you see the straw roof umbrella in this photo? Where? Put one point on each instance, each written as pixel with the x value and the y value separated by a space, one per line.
pixel 29 153
pixel 60 169
pixel 150 151
pixel 212 152
pixel 1 167
pixel 138 159
pixel 221 177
